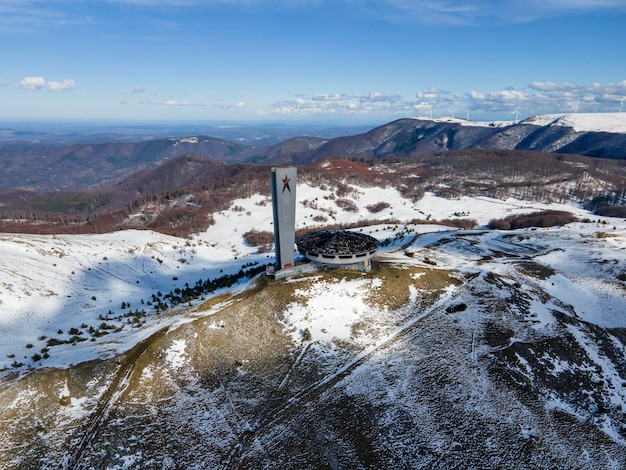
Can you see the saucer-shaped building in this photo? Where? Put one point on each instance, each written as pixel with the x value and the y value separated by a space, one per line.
pixel 337 247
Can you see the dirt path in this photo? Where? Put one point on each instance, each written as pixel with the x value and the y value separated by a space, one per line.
pixel 113 393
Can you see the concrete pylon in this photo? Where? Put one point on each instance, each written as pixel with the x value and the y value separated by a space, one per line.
pixel 283 181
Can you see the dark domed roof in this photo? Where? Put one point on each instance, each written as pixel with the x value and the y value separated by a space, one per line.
pixel 337 246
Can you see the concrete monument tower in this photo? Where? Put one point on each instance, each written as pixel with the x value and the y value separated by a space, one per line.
pixel 283 181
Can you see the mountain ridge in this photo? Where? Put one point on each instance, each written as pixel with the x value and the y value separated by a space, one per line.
pixel 41 167
pixel 574 134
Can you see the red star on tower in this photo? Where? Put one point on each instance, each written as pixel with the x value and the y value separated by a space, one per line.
pixel 286 184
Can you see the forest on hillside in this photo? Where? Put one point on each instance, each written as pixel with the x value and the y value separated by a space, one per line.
pixel 179 198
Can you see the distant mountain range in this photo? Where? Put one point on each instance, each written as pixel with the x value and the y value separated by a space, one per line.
pixel 177 185
pixel 51 167
pixel 599 135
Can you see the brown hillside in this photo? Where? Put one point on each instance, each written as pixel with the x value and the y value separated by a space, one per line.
pixel 180 196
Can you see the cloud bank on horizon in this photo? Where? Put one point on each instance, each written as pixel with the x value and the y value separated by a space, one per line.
pixel 542 97
pixel 354 59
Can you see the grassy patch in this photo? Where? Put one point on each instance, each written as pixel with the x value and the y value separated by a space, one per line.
pixel 395 291
pixel 602 235
pixel 536 219
pixel 540 271
pixel 209 304
pixel 497 335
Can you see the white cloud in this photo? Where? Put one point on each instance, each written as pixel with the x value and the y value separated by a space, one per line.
pixel 550 86
pixel 592 93
pixel 32 83
pixel 23 16
pixel 188 104
pixel 37 83
pixel 453 12
pixel 28 15
pixel 433 93
pixel 464 12
pixel 328 97
pixel 340 103
pixel 550 97
pixel 579 4
pixel 65 85
pixel 538 98
pixel 239 104
pixel 175 104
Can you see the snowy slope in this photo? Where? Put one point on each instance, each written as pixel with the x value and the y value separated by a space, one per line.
pixel 579 122
pixel 583 122
pixel 467 122
pixel 487 340
pixel 56 283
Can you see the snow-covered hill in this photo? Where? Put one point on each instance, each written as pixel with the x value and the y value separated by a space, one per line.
pixel 583 122
pixel 59 282
pixel 463 348
pixel 579 122
pixel 597 135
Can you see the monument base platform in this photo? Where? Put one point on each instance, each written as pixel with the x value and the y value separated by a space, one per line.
pixel 312 266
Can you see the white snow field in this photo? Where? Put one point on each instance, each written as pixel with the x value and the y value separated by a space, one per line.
pixel 584 122
pixel 581 122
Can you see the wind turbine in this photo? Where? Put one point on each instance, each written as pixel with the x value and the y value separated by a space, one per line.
pixel 621 104
pixel 576 104
pixel 452 110
pixel 467 114
pixel 516 112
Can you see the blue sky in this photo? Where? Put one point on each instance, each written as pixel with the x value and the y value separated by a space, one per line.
pixel 336 61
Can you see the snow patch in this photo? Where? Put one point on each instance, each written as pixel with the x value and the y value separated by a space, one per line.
pixel 583 122
pixel 175 354
pixel 330 309
pixel 580 122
